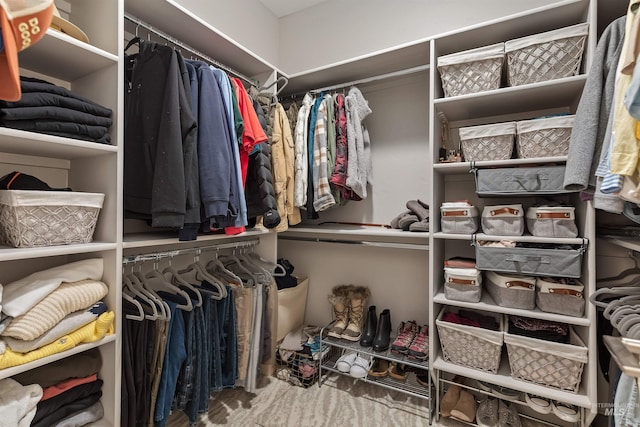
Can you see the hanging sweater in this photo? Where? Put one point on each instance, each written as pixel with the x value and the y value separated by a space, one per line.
pixel 359 166
pixel 322 198
pixel 301 167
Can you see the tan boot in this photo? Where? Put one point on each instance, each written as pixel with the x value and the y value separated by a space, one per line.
pixel 466 407
pixel 357 300
pixel 338 300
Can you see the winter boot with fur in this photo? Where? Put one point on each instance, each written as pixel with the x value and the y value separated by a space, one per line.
pixel 338 300
pixel 357 300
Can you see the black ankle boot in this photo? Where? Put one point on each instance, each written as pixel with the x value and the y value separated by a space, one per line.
pixel 383 333
pixel 369 332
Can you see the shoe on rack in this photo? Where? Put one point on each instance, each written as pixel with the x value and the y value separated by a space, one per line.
pixel 487 413
pixel 370 327
pixel 419 348
pixel 538 404
pixel 449 400
pixel 338 300
pixel 361 366
pixel 566 412
pixel 357 301
pixel 344 362
pixel 398 371
pixel 505 393
pixel 508 415
pixel 406 333
pixel 379 369
pixel 466 407
pixel 422 377
pixel 383 334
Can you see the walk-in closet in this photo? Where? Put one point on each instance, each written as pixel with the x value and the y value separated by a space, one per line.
pixel 288 213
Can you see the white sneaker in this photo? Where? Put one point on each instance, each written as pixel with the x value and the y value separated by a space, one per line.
pixel 566 412
pixel 343 364
pixel 360 367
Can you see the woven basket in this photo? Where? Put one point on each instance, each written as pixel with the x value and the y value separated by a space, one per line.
pixel 488 142
pixel 47 218
pixel 547 363
pixel 544 137
pixel 469 346
pixel 547 56
pixel 472 71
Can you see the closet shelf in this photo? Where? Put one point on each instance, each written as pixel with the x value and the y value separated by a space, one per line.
pixel 367 235
pixel 503 378
pixel 487 304
pixel 170 238
pixel 63 57
pixel 14 370
pixel 461 167
pixel 524 239
pixel 558 93
pixel 629 243
pixel 10 254
pixel 628 362
pixel 16 141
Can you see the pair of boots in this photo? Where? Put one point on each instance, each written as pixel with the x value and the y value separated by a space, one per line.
pixel 377 333
pixel 348 303
pixel 458 403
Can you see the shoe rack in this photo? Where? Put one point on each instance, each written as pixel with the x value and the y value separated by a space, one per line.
pixel 410 386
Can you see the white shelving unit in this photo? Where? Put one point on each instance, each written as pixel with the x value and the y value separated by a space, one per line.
pixel 93 71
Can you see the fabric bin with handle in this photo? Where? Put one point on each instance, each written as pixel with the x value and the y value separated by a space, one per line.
pixel 525 181
pixel 292 303
pixel 547 363
pixel 552 221
pixel 488 142
pixel 512 291
pixel 544 137
pixel 30 218
pixel 471 346
pixel 462 284
pixel 458 218
pixel 546 56
pixel 560 296
pixel 503 220
pixel 564 260
pixel 471 71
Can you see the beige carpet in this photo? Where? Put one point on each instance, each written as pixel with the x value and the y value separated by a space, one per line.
pixel 341 401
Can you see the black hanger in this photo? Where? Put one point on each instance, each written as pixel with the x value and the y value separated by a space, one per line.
pixel 136 40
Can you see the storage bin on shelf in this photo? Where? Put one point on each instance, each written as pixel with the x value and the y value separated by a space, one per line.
pixel 488 142
pixel 544 137
pixel 513 291
pixel 545 56
pixel 549 260
pixel 525 181
pixel 462 284
pixel 458 218
pixel 31 218
pixel 503 220
pixel 552 221
pixel 547 363
pixel 471 346
pixel 471 71
pixel 560 295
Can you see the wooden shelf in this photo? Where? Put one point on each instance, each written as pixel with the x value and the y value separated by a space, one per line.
pixel 158 240
pixel 368 235
pixel 9 254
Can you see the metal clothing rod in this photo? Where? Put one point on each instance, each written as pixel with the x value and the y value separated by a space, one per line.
pixel 398 73
pixel 155 256
pixel 195 52
pixel 358 242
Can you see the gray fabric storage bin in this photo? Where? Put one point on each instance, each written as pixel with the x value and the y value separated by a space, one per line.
pixel 552 221
pixel 553 297
pixel 511 291
pixel 462 284
pixel 542 262
pixel 503 220
pixel 543 180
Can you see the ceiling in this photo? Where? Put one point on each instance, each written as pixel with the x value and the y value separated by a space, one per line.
pixel 282 8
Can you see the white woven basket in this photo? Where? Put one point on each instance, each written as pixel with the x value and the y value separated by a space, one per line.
pixel 472 71
pixel 547 363
pixel 47 218
pixel 546 56
pixel 544 137
pixel 470 346
pixel 488 142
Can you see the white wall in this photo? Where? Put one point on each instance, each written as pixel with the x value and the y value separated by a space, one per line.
pixel 247 22
pixel 338 30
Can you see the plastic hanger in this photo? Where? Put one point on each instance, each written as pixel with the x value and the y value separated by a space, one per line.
pixel 141 315
pixel 129 285
pixel 619 303
pixel 176 279
pixel 138 279
pixel 217 268
pixel 197 273
pixel 617 291
pixel 156 281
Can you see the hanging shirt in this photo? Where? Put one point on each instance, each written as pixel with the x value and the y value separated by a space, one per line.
pixel 301 165
pixel 322 198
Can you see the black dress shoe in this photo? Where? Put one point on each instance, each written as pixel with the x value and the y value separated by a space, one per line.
pixel 383 333
pixel 370 325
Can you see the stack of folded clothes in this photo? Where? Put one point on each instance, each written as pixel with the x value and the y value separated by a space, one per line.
pixel 539 329
pixel 55 110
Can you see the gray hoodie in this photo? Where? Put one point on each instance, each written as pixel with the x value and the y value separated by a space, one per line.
pixel 359 154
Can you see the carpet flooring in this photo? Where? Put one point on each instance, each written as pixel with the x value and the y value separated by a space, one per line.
pixel 340 401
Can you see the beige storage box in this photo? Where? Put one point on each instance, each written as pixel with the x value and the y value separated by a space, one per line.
pixel 471 71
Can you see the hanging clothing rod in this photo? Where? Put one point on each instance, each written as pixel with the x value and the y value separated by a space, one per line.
pixel 156 256
pixel 358 242
pixel 195 52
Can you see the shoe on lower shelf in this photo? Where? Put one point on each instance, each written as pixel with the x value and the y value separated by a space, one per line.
pixel 343 364
pixel 361 366
pixel 419 348
pixel 508 415
pixel 538 404
pixel 398 371
pixel 566 412
pixel 379 369
pixel 505 393
pixel 423 378
pixel 406 333
pixel 487 413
